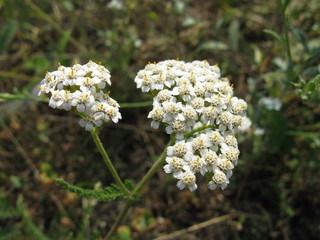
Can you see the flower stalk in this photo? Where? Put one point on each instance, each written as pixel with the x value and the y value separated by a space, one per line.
pixel 113 171
pixel 139 187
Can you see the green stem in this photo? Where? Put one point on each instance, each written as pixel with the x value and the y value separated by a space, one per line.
pixel 199 129
pixel 153 169
pixel 119 219
pixel 138 188
pixel 304 134
pixel 136 104
pixel 8 97
pixel 287 42
pixel 113 171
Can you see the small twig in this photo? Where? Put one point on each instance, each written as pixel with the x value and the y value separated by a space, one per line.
pixel 198 226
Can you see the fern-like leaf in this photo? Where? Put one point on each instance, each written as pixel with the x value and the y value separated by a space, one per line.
pixel 106 194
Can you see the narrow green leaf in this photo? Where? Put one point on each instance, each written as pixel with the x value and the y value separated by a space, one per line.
pixel 234 34
pixel 285 4
pixel 273 34
pixel 34 231
pixel 63 43
pixel 313 59
pixel 7 35
pixel 300 36
pixel 212 45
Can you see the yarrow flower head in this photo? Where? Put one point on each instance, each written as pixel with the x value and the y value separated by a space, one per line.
pixel 81 88
pixel 197 105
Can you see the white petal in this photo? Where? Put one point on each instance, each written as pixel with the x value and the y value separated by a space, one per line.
pixel 192 187
pixel 181 185
pixel 155 124
pixel 167 169
pixel 81 108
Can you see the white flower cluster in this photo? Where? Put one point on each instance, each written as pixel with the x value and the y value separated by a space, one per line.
pixel 194 97
pixel 80 88
pixel 205 152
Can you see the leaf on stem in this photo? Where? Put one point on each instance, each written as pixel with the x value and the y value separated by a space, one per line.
pixel 212 45
pixel 311 91
pixel 273 34
pixel 300 36
pixel 7 35
pixel 106 194
pixel 284 5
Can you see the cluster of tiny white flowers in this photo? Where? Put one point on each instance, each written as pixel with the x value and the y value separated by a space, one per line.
pixel 205 152
pixel 192 97
pixel 80 88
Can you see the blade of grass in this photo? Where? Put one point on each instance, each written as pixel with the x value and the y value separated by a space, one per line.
pixel 51 21
pixel 7 35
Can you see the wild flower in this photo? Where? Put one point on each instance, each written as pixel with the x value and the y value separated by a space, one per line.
pixel 81 88
pixel 191 96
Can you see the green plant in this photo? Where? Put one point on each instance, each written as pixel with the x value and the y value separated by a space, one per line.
pixel 194 104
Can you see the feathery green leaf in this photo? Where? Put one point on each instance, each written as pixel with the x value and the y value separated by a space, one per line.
pixel 106 194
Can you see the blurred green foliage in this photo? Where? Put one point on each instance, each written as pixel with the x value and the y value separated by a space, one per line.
pixel 310 91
